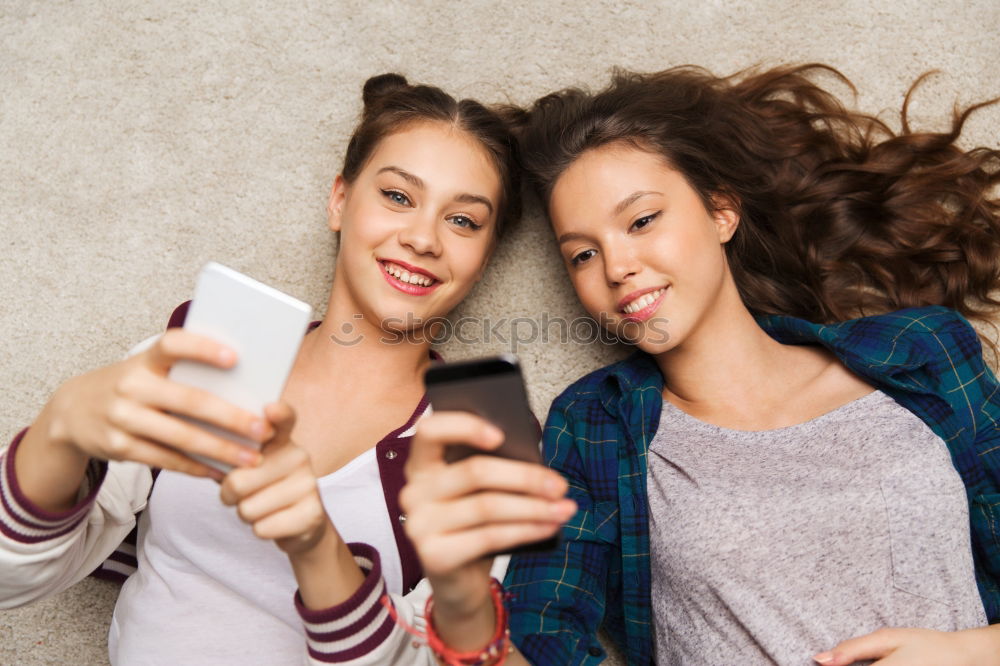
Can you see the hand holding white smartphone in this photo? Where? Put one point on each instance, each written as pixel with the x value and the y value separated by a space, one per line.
pixel 262 325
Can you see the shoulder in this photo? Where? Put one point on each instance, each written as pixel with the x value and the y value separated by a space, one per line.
pixel 604 385
pixel 925 321
pixel 919 336
pixel 904 339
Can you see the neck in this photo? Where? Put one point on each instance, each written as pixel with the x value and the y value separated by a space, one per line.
pixel 725 360
pixel 346 345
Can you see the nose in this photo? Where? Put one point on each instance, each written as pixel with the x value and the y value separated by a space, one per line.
pixel 620 264
pixel 420 234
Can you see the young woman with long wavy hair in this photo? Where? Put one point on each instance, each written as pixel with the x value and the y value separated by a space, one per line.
pixel 801 461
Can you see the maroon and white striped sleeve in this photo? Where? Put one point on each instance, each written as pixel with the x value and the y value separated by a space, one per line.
pixel 44 552
pixel 23 522
pixel 361 629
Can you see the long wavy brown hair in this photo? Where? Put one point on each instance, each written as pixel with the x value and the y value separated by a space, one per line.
pixel 840 216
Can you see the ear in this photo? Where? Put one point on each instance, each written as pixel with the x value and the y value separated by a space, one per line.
pixel 726 216
pixel 335 204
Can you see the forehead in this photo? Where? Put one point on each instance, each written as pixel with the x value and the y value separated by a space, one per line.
pixel 602 177
pixel 440 154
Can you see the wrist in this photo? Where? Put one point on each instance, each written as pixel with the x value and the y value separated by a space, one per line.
pixel 52 424
pixel 482 637
pixel 327 573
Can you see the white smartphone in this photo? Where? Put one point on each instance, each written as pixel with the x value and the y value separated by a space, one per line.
pixel 261 324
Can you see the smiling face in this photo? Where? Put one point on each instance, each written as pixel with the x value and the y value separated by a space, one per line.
pixel 644 254
pixel 417 225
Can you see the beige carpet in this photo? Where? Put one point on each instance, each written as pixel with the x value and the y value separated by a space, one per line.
pixel 140 139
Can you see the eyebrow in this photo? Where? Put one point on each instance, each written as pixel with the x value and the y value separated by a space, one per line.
pixel 417 182
pixel 631 199
pixel 570 236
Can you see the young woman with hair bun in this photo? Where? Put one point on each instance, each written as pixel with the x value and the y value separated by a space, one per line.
pixel 805 467
pixel 427 186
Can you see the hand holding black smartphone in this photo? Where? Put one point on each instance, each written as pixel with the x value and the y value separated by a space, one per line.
pixel 493 389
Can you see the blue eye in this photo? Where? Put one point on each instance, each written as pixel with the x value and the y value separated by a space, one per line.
pixel 644 221
pixel 396 197
pixel 465 222
pixel 581 257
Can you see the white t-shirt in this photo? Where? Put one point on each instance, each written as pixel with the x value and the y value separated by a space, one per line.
pixel 224 604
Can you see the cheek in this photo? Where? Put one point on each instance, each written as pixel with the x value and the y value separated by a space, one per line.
pixel 468 260
pixel 589 290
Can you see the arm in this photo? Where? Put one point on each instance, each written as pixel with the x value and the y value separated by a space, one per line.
pixel 919 647
pixel 72 485
pixel 460 513
pixel 43 552
pixel 341 589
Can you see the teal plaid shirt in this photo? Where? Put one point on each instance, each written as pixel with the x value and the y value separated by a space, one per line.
pixel 598 431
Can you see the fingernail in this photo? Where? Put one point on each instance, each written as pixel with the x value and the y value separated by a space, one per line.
pixel 552 486
pixel 562 510
pixel 824 657
pixel 249 458
pixel 494 433
pixel 257 429
pixel 226 356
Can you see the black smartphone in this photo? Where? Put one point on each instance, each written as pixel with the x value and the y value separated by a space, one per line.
pixel 493 389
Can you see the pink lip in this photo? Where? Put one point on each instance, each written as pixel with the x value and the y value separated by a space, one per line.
pixel 406 287
pixel 410 268
pixel 646 312
pixel 634 295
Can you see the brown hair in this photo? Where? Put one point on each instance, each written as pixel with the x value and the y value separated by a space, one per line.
pixel 839 215
pixel 391 104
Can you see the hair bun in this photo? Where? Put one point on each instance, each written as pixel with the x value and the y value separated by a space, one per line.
pixel 382 85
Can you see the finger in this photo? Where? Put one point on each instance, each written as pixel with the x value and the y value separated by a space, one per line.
pixel 444 554
pixel 875 645
pixel 277 496
pixel 479 473
pixel 442 429
pixel 299 519
pixel 124 446
pixel 177 344
pixel 153 425
pixel 282 419
pixel 488 508
pixel 170 396
pixel 277 464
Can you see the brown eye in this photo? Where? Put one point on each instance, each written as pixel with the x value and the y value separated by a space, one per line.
pixel 644 221
pixel 581 257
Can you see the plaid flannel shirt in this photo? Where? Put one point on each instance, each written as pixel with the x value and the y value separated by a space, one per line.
pixel 598 431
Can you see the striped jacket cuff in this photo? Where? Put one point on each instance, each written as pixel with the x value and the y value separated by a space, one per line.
pixel 355 627
pixel 22 521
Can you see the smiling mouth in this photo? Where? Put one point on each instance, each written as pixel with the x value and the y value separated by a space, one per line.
pixel 643 302
pixel 407 278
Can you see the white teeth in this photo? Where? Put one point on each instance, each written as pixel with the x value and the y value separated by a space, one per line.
pixel 406 276
pixel 643 301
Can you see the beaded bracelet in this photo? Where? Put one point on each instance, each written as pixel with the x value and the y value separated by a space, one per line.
pixel 493 654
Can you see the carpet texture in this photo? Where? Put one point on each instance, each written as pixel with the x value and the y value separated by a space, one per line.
pixel 140 139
